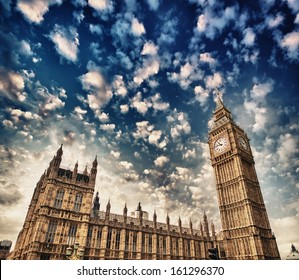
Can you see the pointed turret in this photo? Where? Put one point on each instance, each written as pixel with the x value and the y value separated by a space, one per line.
pixel 191 226
pixel 96 205
pixel 180 222
pixel 93 171
pixel 125 212
pixel 58 157
pixel 205 225
pixel 107 214
pixel 59 152
pixel 85 172
pixel 50 166
pixel 167 219
pixel 108 207
pixel 213 229
pixel 75 172
pixel 55 163
pixel 155 219
pixel 201 229
pixel 139 207
pixel 155 216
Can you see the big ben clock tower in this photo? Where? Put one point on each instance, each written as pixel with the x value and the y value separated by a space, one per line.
pixel 246 229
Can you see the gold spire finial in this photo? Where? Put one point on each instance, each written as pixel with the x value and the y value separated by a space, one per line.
pixel 219 102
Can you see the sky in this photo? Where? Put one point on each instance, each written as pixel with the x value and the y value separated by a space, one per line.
pixel 134 83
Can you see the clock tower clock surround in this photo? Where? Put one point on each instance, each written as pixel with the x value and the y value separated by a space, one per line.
pixel 246 229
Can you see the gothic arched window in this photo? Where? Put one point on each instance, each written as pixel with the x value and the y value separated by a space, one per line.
pixel 59 198
pixel 78 202
pixel 72 234
pixel 51 231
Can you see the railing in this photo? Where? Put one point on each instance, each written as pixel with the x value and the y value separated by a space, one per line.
pixel 150 224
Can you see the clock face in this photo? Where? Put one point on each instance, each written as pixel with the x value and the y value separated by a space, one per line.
pixel 243 143
pixel 220 144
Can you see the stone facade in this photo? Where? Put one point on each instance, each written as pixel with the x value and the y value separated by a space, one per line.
pixel 64 209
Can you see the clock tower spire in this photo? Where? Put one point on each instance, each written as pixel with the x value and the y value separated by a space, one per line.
pixel 246 229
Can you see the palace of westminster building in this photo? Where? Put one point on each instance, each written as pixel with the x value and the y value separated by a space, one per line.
pixel 64 210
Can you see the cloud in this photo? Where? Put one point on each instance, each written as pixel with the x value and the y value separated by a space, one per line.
pixel 9 194
pixel 18 114
pixel 79 112
pixel 14 51
pixel 189 154
pixel 169 31
pixel 151 63
pixel 8 124
pixel 259 91
pixel 158 104
pixel 288 148
pixel 290 42
pixel 131 5
pixel 273 22
pixel 140 105
pixel 161 161
pixel 137 27
pixel 12 85
pixel 256 107
pixel 211 24
pixel 103 7
pixel 214 81
pixel 53 102
pixel 99 92
pixel 180 125
pixel 294 5
pixel 25 48
pixel 189 71
pixel 153 4
pixel 78 16
pixel 124 108
pixel 115 155
pixel 125 165
pixel 207 58
pixel 34 10
pixel 104 117
pixel 95 29
pixel 124 60
pixel 183 77
pixel 108 127
pixel 249 37
pixel 201 95
pixel 69 137
pixel 66 41
pixel 146 131
pixel 260 116
pixel 119 86
pixel 150 67
pixel 149 48
pixel 201 23
pixel 155 137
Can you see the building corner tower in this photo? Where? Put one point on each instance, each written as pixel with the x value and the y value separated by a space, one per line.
pixel 246 229
pixel 58 214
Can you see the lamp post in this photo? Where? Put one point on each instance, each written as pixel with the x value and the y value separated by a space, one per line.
pixel 74 253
